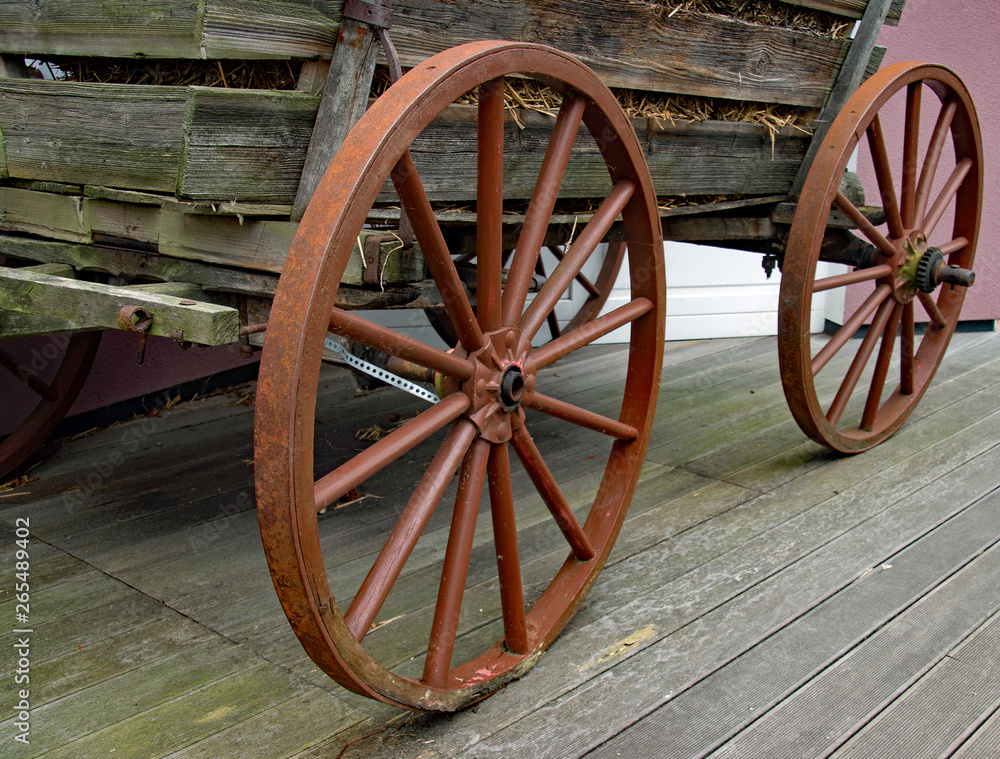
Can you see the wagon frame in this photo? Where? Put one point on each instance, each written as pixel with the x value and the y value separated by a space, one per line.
pixel 187 263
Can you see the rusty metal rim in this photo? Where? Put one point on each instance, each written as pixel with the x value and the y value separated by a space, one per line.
pixel 290 364
pixel 806 234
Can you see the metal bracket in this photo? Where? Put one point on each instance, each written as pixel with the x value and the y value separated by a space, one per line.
pixel 368 13
pixel 380 374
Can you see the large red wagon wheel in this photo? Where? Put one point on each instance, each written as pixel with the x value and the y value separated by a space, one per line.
pixel 489 380
pixel 45 376
pixel 915 268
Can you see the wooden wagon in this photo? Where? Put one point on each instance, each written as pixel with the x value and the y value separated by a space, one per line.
pixel 499 187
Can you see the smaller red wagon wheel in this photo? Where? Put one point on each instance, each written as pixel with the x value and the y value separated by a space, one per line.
pixel 912 271
pixel 500 425
pixel 46 374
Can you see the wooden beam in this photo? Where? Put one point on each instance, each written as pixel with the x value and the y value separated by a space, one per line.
pixel 119 262
pixel 850 77
pixel 345 97
pixel 99 305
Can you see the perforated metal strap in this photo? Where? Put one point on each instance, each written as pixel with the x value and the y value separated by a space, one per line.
pixel 380 374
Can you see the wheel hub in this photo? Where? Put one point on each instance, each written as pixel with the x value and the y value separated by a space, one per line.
pixel 922 268
pixel 511 388
pixel 499 384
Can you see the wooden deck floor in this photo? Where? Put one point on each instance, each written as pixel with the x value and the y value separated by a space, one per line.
pixel 765 598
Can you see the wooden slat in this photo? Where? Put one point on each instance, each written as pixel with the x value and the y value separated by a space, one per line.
pixel 58 217
pixel 245 144
pixel 270 28
pixel 171 28
pixel 849 8
pixel 637 45
pixel 83 134
pixel 92 27
pixel 130 264
pixel 701 158
pixel 257 245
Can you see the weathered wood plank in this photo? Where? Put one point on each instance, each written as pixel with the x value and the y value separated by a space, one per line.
pixel 705 158
pixel 161 29
pixel 58 217
pixel 718 707
pixel 171 28
pixel 259 245
pixel 97 304
pixel 270 28
pixel 245 144
pixel 249 146
pixel 81 133
pixel 637 45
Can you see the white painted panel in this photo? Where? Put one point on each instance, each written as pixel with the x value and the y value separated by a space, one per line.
pixel 711 293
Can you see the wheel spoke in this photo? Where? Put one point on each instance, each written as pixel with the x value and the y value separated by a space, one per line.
pixel 410 525
pixel 866 227
pixel 883 174
pixel 948 193
pixel 907 342
pixel 553 497
pixel 911 139
pixel 586 334
pixel 543 199
pixel 587 285
pixel 576 257
pixel 489 204
pixel 582 417
pixel 28 377
pixel 551 319
pixel 605 281
pixel 874 400
pixel 931 307
pixel 938 136
pixel 953 246
pixel 397 344
pixel 839 340
pixel 380 454
pixel 418 209
pixel 860 361
pixel 456 565
pixel 508 558
pixel 852 278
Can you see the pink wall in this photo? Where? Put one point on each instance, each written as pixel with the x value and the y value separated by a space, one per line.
pixel 962 35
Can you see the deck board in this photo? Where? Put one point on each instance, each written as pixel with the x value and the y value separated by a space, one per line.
pixel 765 598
